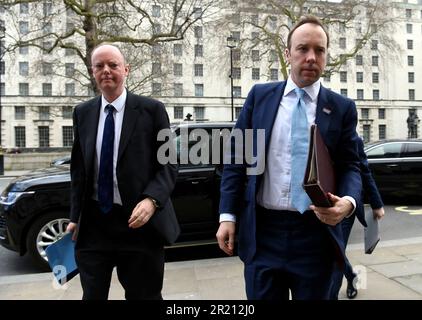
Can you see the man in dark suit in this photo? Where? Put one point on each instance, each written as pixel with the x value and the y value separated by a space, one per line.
pixel 285 243
pixel 370 190
pixel 120 198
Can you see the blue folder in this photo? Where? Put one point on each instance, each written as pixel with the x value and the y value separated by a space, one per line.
pixel 61 258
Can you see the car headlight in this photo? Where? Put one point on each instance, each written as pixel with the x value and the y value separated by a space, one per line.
pixel 11 197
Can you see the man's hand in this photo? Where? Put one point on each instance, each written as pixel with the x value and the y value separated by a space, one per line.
pixel 333 215
pixel 71 227
pixel 378 213
pixel 142 213
pixel 225 236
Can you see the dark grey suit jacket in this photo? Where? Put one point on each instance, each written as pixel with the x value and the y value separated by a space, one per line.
pixel 139 174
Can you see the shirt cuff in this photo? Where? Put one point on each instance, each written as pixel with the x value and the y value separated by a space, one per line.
pixel 353 201
pixel 227 217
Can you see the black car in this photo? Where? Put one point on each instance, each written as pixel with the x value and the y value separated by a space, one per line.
pixel 34 208
pixel 396 166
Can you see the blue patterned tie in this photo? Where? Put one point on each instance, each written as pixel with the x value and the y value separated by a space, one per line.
pixel 299 152
pixel 105 174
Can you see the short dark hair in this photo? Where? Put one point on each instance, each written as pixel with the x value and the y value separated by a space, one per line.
pixel 304 20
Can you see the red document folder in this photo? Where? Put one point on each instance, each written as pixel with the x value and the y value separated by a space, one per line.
pixel 319 175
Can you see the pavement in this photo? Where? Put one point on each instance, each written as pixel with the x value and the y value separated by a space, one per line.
pixel 392 272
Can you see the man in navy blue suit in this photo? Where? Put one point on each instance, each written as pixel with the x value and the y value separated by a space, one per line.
pixel 285 248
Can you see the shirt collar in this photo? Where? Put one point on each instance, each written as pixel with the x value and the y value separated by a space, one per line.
pixel 118 104
pixel 312 90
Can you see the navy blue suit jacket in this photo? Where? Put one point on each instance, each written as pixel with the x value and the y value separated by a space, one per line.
pixel 336 118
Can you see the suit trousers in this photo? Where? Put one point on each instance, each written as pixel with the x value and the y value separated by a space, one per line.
pixel 337 277
pixel 294 253
pixel 106 242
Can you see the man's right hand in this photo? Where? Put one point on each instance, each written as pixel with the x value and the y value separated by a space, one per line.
pixel 225 236
pixel 71 227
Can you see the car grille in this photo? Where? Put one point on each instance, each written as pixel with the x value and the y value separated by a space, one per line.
pixel 2 223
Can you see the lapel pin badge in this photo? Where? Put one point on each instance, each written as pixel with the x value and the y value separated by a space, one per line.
pixel 326 110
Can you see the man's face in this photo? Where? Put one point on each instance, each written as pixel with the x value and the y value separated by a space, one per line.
pixel 308 54
pixel 109 69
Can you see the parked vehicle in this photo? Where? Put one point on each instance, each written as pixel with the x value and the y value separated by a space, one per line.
pixel 397 169
pixel 34 208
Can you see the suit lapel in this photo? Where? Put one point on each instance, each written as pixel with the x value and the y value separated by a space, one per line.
pixel 323 111
pixel 89 121
pixel 129 121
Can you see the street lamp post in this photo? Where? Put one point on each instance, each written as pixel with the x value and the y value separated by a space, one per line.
pixel 231 43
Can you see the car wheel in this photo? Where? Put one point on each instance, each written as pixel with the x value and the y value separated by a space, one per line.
pixel 47 229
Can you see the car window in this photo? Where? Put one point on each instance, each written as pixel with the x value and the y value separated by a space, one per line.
pixel 413 150
pixel 388 150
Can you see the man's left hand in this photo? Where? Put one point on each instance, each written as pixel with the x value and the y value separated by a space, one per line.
pixel 142 213
pixel 333 215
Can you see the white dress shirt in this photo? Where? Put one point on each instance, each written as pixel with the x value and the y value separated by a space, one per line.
pixel 274 191
pixel 119 106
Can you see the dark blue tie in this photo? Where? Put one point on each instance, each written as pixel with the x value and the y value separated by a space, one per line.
pixel 105 174
pixel 299 147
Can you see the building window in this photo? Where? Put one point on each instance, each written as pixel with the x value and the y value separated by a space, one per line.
pixel 178 112
pixel 67 133
pixel 156 11
pixel 365 113
pixel 237 73
pixel 236 54
pixel 375 61
pixel 408 13
pixel 410 44
pixel 23 27
pixel 23 68
pixel 366 133
pixel 47 68
pixel 199 90
pixel 237 111
pixel 255 55
pixel 197 12
pixel 19 113
pixel 43 136
pixel 199 70
pixel 255 73
pixel 156 88
pixel 343 76
pixel 375 77
pixel 374 45
pixel 24 89
pixel 359 60
pixel 411 77
pixel 412 94
pixel 410 60
pixel 409 28
pixel 2 46
pixel 342 43
pixel 44 113
pixel 69 51
pixel 178 89
pixel 236 35
pixel 47 8
pixel 47 89
pixel 70 89
pixel 23 50
pixel 2 89
pixel 343 92
pixel 177 49
pixel 67 112
pixel 273 74
pixel 382 132
pixel 199 48
pixel 24 8
pixel 375 94
pixel 198 32
pixel 381 113
pixel 199 112
pixel 2 67
pixel 47 28
pixel 156 28
pixel 156 68
pixel 20 137
pixel 178 69
pixel 359 77
pixel 359 94
pixel 273 56
pixel 237 92
pixel 69 69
